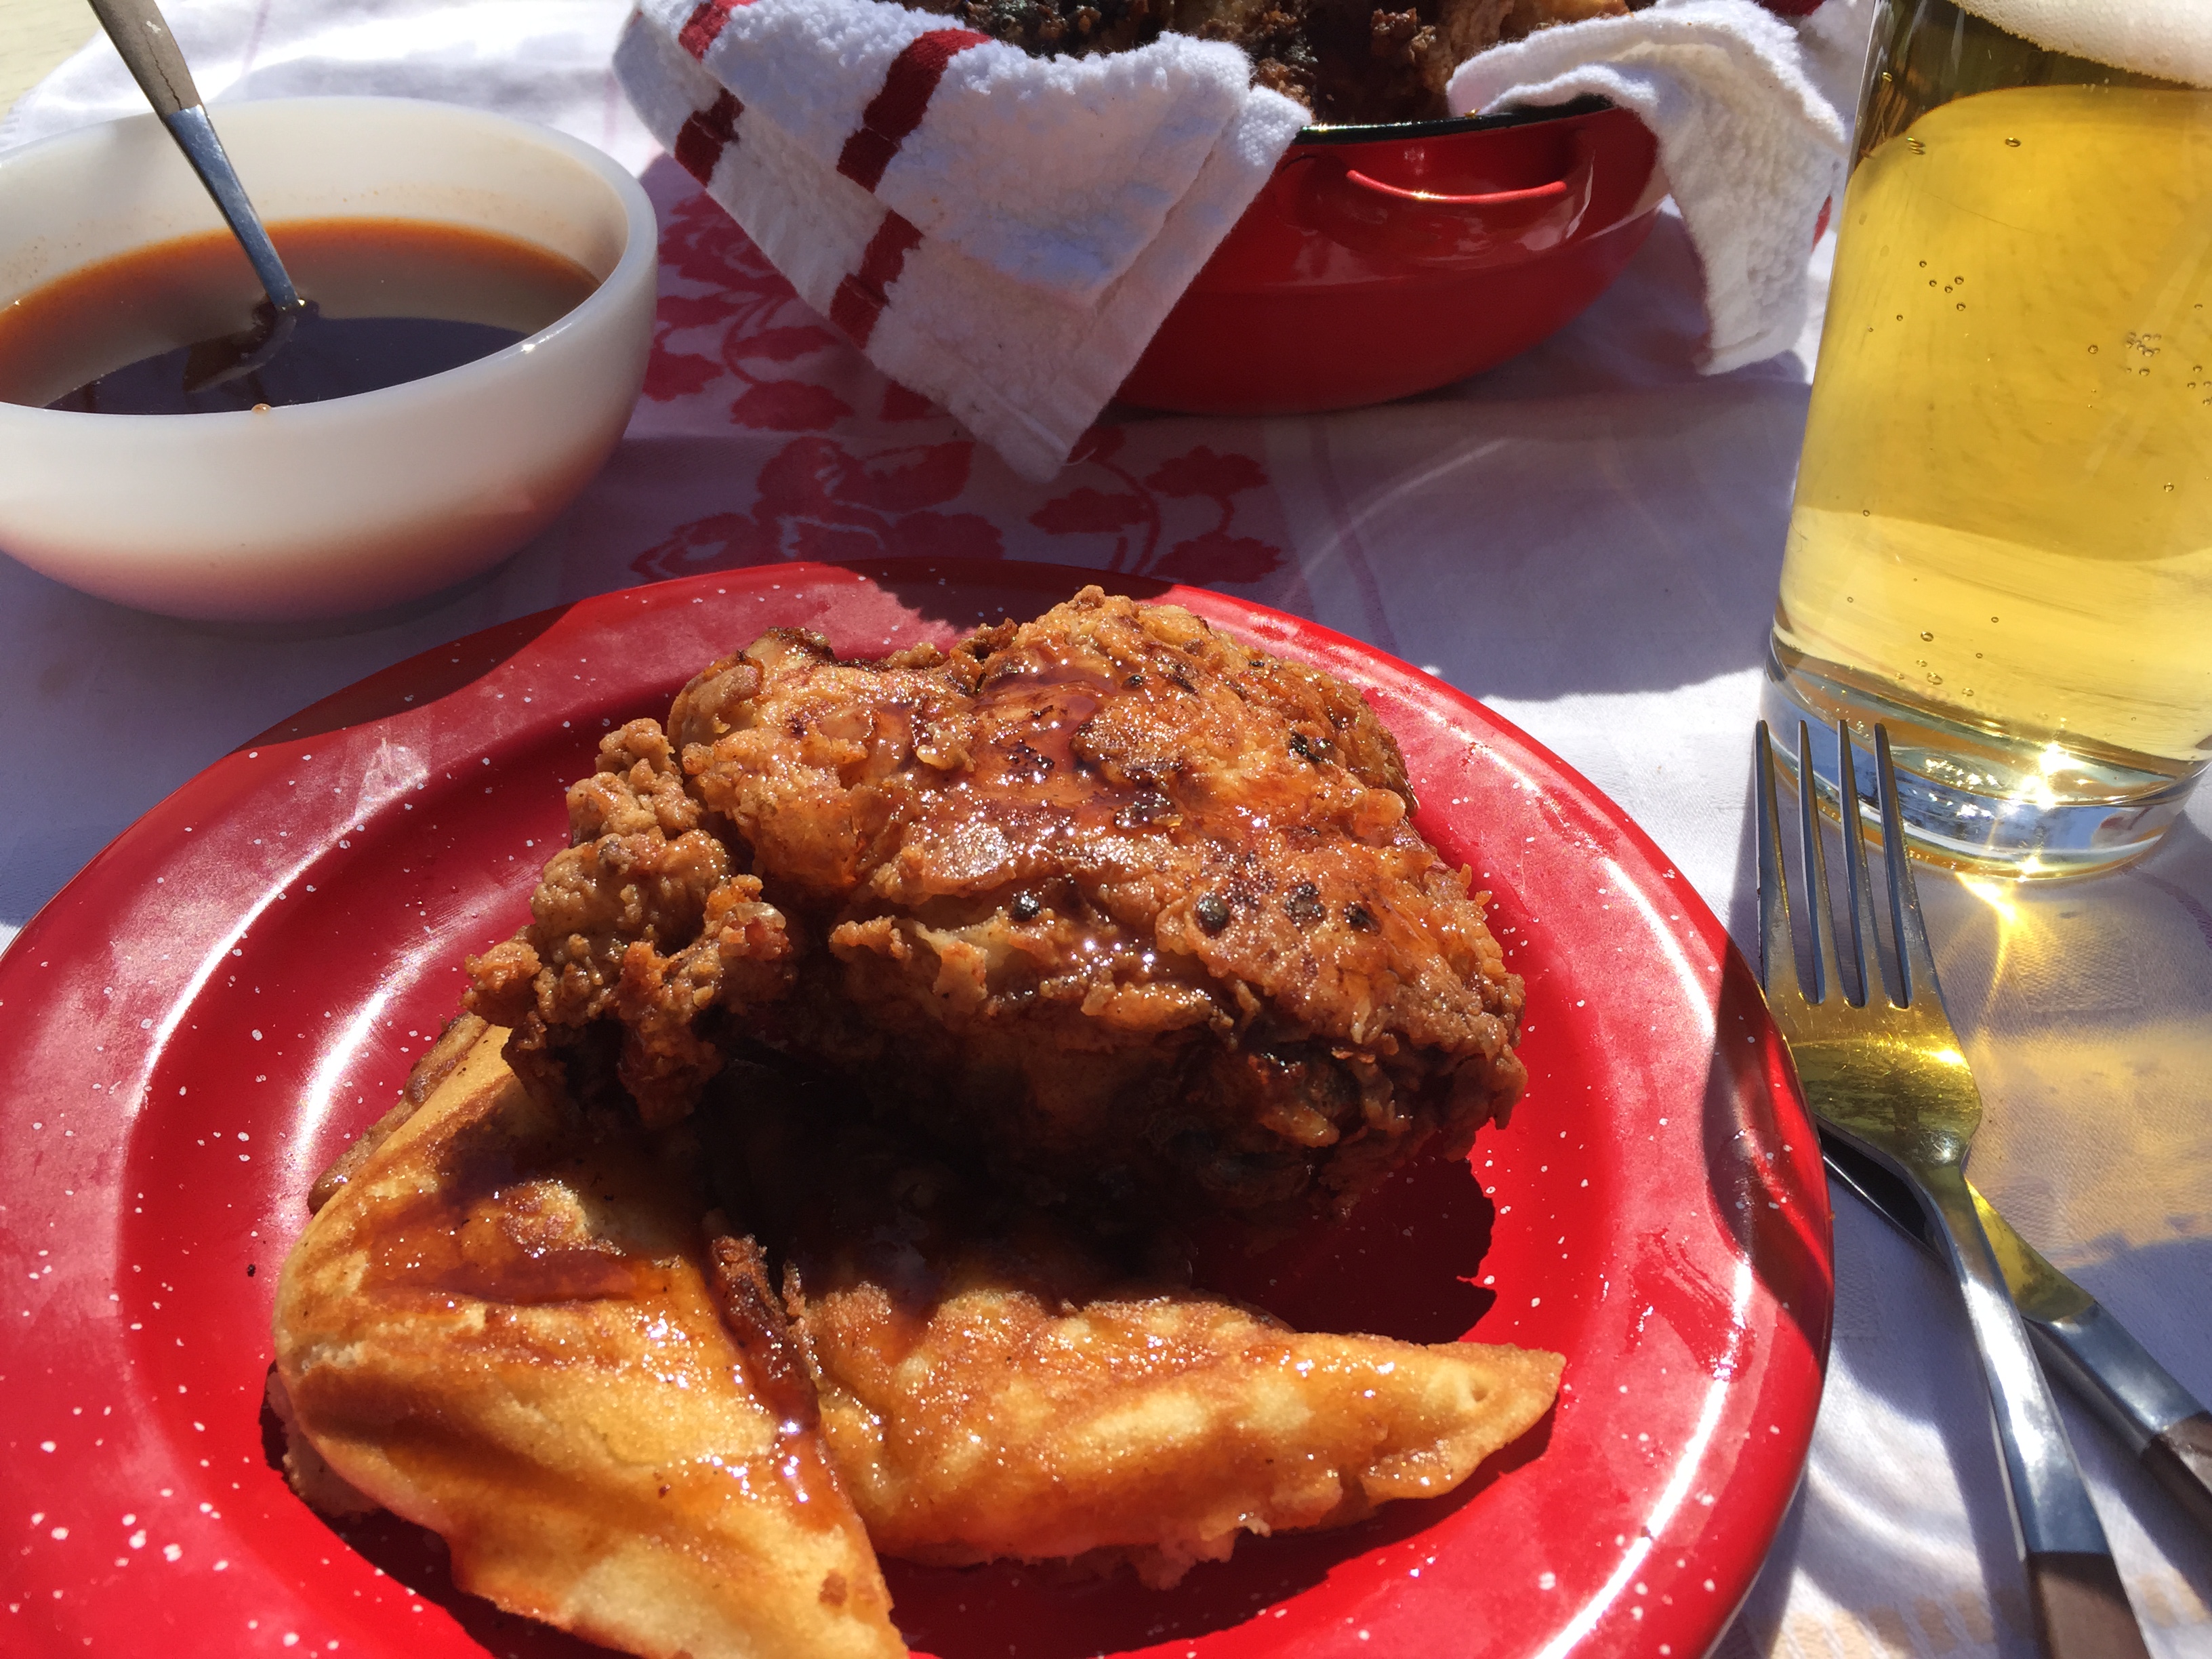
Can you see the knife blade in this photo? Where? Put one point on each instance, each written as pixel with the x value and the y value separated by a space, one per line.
pixel 2081 1342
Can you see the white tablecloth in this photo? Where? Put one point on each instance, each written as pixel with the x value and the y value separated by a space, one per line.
pixel 1588 539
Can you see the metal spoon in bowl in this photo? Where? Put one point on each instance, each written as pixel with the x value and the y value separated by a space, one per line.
pixel 142 35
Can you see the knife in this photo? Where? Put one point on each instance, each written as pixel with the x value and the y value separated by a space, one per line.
pixel 2082 1344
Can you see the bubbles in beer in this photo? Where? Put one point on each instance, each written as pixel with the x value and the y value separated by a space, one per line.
pixel 1975 498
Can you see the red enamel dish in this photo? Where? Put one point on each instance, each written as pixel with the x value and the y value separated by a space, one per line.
pixel 236 985
pixel 1387 260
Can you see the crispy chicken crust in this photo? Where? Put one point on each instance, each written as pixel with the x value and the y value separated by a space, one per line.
pixel 1348 61
pixel 1135 910
pixel 640 920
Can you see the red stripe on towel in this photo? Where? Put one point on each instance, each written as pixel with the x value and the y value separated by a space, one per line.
pixel 704 26
pixel 859 299
pixel 897 109
pixel 707 134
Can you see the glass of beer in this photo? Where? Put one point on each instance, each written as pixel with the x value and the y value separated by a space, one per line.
pixel 2001 544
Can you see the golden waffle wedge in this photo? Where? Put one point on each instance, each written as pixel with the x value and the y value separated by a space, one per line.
pixel 515 1333
pixel 989 1403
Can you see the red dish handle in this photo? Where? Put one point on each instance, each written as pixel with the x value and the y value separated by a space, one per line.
pixel 1554 191
pixel 1399 224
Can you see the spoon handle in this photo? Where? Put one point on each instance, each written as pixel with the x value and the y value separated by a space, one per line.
pixel 149 52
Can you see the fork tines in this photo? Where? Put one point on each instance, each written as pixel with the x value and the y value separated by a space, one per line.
pixel 1909 972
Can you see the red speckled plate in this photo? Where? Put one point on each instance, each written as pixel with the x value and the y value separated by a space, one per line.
pixel 200 1020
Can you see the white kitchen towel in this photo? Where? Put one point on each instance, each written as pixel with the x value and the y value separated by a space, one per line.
pixel 1001 232
pixel 1752 150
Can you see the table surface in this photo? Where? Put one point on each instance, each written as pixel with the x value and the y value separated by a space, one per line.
pixel 1588 539
pixel 36 36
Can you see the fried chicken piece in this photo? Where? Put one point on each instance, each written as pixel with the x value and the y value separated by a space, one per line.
pixel 1349 61
pixel 1134 910
pixel 511 1330
pixel 1352 61
pixel 1464 28
pixel 1053 28
pixel 993 1385
pixel 639 919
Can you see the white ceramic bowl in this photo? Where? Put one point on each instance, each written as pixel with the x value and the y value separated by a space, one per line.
pixel 322 509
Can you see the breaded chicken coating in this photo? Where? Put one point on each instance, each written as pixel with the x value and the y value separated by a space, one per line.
pixel 1349 62
pixel 1134 910
pixel 639 925
pixel 1353 62
pixel 1122 902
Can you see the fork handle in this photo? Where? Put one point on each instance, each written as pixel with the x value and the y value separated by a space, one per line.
pixel 2081 1611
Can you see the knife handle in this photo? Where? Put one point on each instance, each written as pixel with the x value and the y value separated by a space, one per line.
pixel 2081 1611
pixel 2165 1425
pixel 2179 1458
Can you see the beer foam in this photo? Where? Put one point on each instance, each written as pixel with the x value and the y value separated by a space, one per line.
pixel 2169 39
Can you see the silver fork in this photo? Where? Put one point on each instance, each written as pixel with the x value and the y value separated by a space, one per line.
pixel 1889 1075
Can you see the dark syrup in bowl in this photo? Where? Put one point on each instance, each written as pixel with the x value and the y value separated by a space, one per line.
pixel 394 300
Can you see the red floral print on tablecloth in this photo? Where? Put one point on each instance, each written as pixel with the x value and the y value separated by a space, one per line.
pixel 1133 514
pixel 830 460
pixel 819 500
